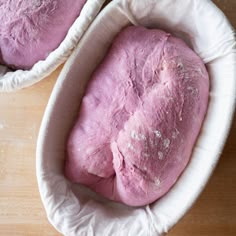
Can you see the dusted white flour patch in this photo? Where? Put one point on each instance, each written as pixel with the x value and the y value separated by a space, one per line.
pixel 166 143
pixel 157 133
pixel 160 155
pixel 139 117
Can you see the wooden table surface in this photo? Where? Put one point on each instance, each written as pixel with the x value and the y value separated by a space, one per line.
pixel 21 210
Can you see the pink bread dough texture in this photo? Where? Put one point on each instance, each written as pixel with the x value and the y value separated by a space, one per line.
pixel 30 30
pixel 139 118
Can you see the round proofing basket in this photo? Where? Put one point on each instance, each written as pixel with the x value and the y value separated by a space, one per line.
pixel 14 80
pixel 72 209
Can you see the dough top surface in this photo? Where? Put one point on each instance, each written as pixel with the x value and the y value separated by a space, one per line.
pixel 139 118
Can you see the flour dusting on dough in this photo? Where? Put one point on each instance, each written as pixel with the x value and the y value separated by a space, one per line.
pixel 160 155
pixel 157 133
pixel 166 143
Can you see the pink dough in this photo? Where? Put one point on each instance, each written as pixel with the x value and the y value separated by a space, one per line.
pixel 139 118
pixel 31 29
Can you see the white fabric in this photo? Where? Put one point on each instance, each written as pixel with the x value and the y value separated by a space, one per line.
pixel 14 80
pixel 72 209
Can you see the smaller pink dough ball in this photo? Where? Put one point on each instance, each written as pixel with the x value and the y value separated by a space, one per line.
pixel 30 30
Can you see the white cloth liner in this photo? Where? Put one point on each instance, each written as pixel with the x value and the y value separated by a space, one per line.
pixel 14 80
pixel 79 212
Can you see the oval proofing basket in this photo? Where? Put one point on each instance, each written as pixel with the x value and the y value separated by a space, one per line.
pixel 71 208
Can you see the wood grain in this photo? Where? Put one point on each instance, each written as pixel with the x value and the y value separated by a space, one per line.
pixel 21 210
